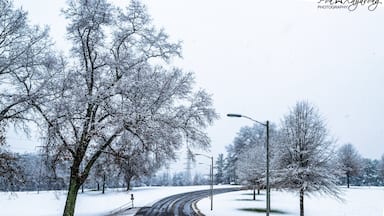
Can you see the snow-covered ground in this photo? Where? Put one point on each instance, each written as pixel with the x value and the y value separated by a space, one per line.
pixel 358 201
pixel 48 203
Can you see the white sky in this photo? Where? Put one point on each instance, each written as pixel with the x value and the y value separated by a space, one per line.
pixel 258 58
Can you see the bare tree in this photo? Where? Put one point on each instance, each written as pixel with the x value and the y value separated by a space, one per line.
pixel 247 138
pixel 251 160
pixel 134 160
pixel 117 81
pixel 24 55
pixel 25 52
pixel 306 157
pixel 249 154
pixel 11 174
pixel 251 168
pixel 350 161
pixel 103 170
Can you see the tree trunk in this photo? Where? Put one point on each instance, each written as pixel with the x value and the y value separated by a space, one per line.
pixel 347 180
pixel 128 185
pixel 301 202
pixel 103 183
pixel 258 190
pixel 128 181
pixel 75 182
pixel 254 192
pixel 74 186
pixel 77 178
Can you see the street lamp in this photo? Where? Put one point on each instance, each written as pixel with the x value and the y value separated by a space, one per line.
pixel 268 193
pixel 211 175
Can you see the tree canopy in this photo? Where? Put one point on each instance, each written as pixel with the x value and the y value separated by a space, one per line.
pixel 118 79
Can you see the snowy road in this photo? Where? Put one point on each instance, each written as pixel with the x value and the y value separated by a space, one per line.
pixel 179 204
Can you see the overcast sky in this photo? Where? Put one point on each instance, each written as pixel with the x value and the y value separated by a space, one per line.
pixel 258 58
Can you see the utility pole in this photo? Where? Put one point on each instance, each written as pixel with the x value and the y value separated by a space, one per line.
pixel 211 176
pixel 188 168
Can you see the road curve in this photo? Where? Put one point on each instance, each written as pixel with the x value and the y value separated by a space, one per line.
pixel 179 204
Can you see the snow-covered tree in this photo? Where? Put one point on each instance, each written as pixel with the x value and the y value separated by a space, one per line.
pixel 306 157
pixel 165 179
pixel 370 172
pixel 104 171
pixel 230 175
pixel 178 179
pixel 31 164
pixel 34 175
pixel 251 167
pixel 251 156
pixel 246 138
pixel 11 174
pixel 248 154
pixel 200 179
pixel 25 51
pixel 350 161
pixel 134 161
pixel 219 176
pixel 117 80
pixel 381 169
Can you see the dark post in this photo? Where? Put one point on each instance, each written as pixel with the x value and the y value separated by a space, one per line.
pixel 268 186
pixel 211 183
pixel 254 192
pixel 211 176
pixel 132 198
pixel 103 183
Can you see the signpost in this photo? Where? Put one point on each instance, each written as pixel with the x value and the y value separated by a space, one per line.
pixel 132 198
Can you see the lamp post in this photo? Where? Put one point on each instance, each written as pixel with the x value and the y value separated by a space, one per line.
pixel 266 124
pixel 211 175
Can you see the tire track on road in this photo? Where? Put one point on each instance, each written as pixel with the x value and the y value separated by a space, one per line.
pixel 180 204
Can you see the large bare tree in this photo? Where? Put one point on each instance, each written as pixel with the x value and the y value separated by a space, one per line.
pixel 118 80
pixel 306 157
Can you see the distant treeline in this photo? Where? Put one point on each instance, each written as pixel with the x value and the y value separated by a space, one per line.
pixel 35 175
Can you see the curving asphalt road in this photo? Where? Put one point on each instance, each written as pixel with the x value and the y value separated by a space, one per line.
pixel 180 204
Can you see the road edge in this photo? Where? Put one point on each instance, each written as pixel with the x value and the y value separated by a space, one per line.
pixel 195 209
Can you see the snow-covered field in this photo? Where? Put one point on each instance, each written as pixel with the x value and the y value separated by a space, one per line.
pixel 359 201
pixel 49 203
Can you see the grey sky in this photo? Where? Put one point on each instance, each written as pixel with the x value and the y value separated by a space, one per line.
pixel 259 57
